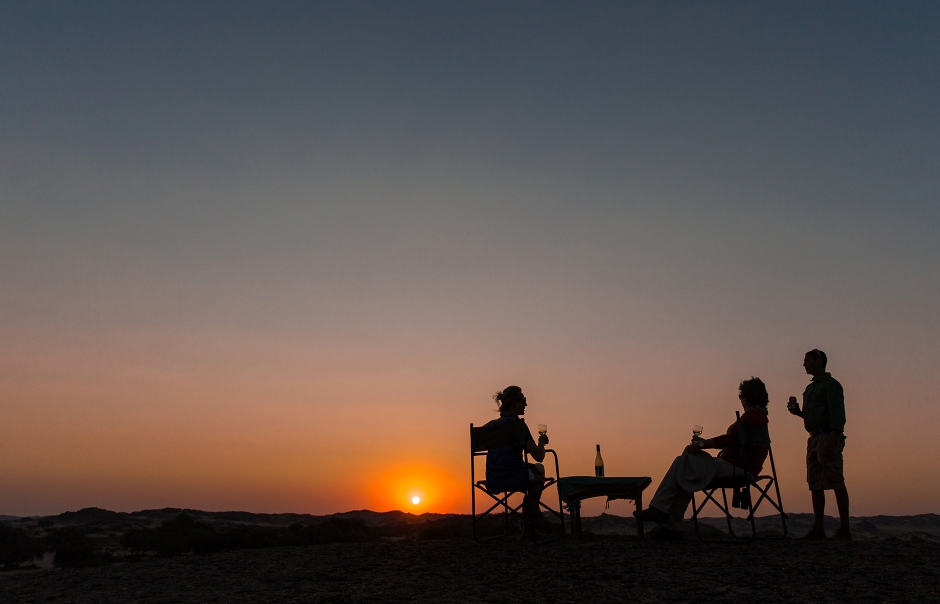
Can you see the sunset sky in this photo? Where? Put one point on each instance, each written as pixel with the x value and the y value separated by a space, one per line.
pixel 277 257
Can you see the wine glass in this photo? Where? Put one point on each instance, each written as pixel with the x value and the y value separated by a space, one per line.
pixel 697 432
pixel 543 428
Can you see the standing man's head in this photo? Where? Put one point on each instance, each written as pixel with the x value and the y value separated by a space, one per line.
pixel 511 400
pixel 814 362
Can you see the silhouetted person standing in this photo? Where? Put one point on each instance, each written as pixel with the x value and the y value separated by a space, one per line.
pixel 823 416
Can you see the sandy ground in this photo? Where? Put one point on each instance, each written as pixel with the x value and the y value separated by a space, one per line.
pixel 596 569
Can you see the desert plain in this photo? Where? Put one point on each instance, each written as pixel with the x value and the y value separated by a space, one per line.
pixel 894 559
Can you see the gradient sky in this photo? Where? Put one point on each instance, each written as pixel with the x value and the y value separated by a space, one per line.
pixel 277 256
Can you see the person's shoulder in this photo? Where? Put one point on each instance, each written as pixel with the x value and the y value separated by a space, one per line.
pixel 503 419
pixel 832 382
pixel 754 417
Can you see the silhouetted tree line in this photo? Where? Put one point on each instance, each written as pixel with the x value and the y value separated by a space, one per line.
pixel 18 546
pixel 71 545
pixel 184 534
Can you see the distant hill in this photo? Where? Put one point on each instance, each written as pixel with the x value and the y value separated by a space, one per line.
pixel 921 526
pixel 102 517
pixel 393 517
pixel 90 516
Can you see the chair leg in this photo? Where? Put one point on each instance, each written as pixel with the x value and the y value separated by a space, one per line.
pixel 575 507
pixel 730 518
pixel 477 518
pixel 779 504
pixel 724 508
pixel 765 495
pixel 750 514
pixel 724 497
pixel 639 523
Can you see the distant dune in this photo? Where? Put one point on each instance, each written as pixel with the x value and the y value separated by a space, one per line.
pixel 404 524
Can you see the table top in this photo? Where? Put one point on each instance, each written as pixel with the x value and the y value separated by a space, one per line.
pixel 576 488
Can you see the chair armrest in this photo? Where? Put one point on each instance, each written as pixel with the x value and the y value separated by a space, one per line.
pixel 555 455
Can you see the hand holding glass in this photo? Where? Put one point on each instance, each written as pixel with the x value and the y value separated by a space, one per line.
pixel 697 433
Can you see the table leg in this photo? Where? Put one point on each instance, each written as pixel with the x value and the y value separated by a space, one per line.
pixel 576 522
pixel 639 523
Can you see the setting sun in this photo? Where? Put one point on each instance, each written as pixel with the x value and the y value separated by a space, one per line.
pixel 420 488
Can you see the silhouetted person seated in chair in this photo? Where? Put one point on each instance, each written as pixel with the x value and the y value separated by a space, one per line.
pixel 506 469
pixel 695 469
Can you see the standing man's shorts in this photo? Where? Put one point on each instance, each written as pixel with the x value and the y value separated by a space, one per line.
pixel 824 461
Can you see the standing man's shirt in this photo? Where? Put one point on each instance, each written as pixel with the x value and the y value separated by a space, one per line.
pixel 824 405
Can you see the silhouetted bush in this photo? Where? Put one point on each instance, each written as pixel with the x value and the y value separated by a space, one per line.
pixel 137 541
pixel 451 528
pixel 340 530
pixel 17 546
pixel 73 548
pixel 184 534
pixel 181 535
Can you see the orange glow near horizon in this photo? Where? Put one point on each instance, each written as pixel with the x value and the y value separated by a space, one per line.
pixel 417 488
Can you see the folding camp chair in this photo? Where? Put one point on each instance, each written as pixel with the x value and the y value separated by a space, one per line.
pixel 501 436
pixel 749 436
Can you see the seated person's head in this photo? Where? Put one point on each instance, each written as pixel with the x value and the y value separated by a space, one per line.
pixel 511 400
pixel 753 393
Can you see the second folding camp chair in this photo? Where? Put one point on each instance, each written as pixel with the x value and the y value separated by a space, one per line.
pixel 749 436
pixel 502 436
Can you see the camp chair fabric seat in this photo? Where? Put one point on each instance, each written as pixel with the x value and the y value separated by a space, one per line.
pixel 732 482
pixel 482 484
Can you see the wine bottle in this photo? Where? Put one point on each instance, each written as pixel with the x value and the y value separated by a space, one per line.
pixel 599 464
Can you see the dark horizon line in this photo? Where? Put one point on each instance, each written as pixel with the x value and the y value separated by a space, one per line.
pixel 89 511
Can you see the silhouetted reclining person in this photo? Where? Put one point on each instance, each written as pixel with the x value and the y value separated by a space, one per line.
pixel 695 469
pixel 506 469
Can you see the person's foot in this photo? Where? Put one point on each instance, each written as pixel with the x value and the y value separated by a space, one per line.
pixel 664 534
pixel 843 534
pixel 651 514
pixel 814 535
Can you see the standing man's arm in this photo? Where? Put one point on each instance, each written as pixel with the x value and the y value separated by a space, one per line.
pixel 793 407
pixel 835 399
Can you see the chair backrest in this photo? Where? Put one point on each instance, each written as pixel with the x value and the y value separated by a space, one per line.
pixel 498 436
pixel 750 435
